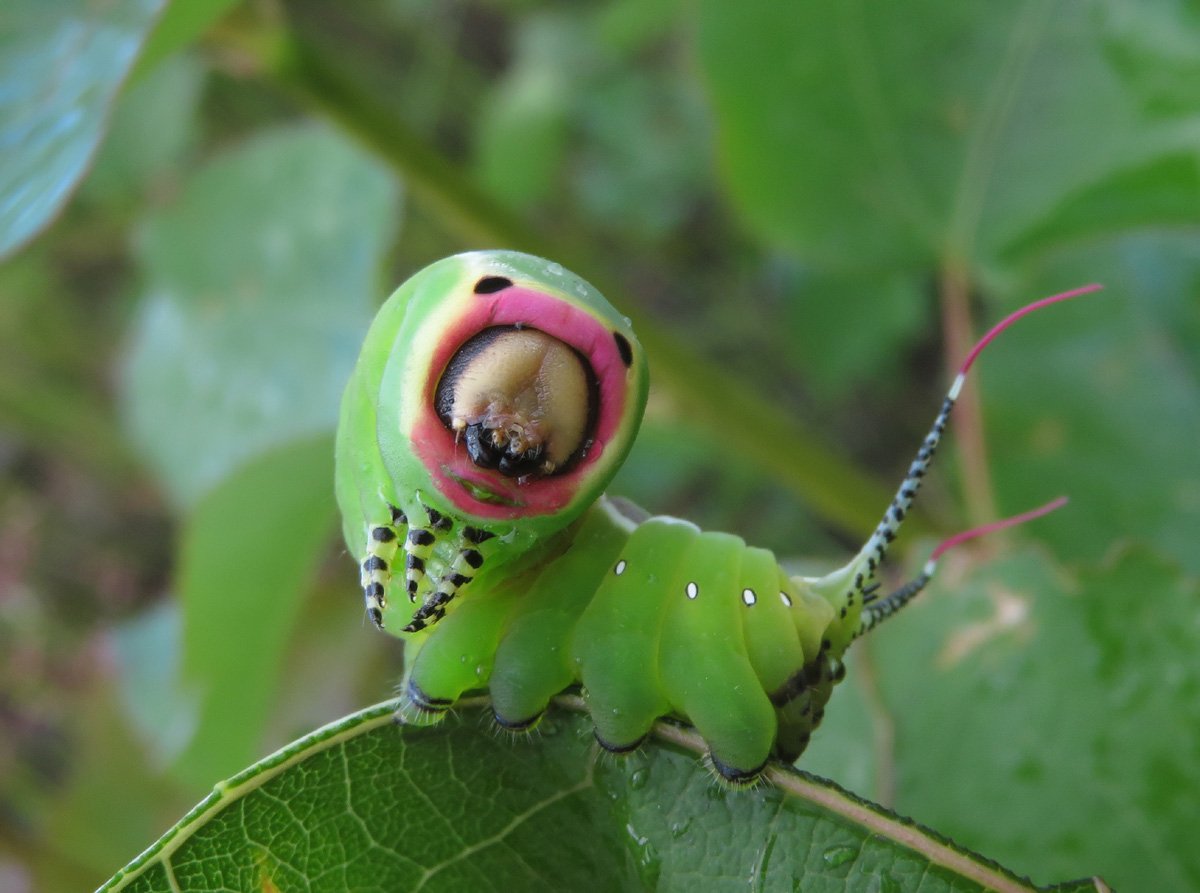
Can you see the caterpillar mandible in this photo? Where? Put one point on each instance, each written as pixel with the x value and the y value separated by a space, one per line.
pixel 495 397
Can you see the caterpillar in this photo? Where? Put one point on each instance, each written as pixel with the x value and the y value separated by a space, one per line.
pixel 495 396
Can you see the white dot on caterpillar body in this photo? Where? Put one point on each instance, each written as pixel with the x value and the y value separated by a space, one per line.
pixel 749 597
pixel 692 590
pixel 786 599
pixel 620 568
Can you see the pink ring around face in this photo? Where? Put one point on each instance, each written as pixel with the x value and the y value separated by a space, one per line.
pixel 447 460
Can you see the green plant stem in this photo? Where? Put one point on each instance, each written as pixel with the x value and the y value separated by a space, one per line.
pixel 750 427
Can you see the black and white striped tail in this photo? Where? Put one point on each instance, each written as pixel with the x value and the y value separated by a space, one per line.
pixel 878 610
pixel 876 547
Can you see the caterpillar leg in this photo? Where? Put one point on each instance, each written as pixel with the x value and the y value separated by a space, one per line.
pixel 532 660
pixel 376 567
pixel 467 562
pixel 418 546
pixel 616 642
pixel 800 706
pixel 704 666
pixel 458 658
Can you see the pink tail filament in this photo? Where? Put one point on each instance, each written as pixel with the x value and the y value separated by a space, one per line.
pixel 950 542
pixel 1017 314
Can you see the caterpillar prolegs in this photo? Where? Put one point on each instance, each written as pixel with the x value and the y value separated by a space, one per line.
pixel 494 399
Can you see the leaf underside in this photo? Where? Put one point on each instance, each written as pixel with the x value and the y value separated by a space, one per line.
pixel 364 804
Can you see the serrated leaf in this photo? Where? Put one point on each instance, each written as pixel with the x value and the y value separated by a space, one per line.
pixel 261 280
pixel 1067 717
pixel 880 134
pixel 61 66
pixel 363 804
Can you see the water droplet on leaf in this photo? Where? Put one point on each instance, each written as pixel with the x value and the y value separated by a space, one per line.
pixel 839 855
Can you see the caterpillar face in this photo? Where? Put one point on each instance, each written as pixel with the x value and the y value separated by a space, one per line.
pixel 524 402
pixel 495 397
pixel 519 395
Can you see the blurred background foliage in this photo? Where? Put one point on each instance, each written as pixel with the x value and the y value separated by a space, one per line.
pixel 806 207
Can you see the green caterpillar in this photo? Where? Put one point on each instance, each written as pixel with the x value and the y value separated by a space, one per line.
pixel 495 397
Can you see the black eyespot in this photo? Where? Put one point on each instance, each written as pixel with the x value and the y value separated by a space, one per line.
pixel 491 284
pixel 623 348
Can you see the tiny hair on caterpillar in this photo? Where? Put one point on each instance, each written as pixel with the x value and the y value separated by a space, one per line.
pixel 495 397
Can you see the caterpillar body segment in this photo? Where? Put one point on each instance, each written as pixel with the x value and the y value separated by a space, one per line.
pixel 652 620
pixel 703 640
pixel 494 399
pixel 533 660
pixel 775 644
pixel 615 644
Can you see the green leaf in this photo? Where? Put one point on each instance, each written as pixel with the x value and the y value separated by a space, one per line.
pixel 161 710
pixel 836 358
pixel 1102 402
pixel 249 553
pixel 181 23
pixel 580 119
pixel 363 804
pixel 523 129
pixel 152 132
pixel 260 284
pixel 61 65
pixel 883 134
pixel 1074 712
pixel 1153 46
pixel 1161 193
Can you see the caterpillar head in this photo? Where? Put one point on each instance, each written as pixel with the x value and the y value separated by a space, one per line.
pixel 505 393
